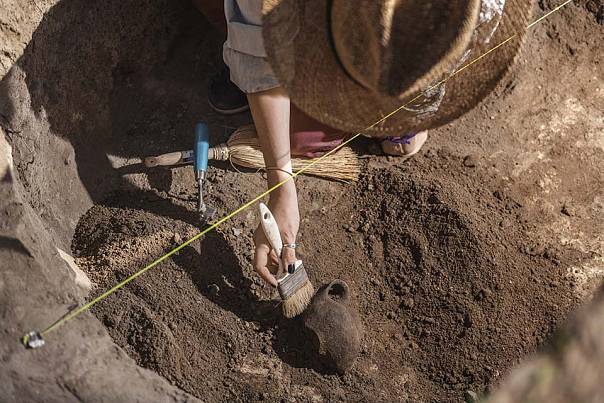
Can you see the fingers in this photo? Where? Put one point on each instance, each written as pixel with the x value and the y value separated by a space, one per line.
pixel 288 256
pixel 273 259
pixel 265 258
pixel 261 258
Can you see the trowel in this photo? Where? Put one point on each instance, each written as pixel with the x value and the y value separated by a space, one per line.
pixel 198 156
pixel 200 164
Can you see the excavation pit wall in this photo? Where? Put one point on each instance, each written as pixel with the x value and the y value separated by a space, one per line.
pixel 58 111
pixel 450 290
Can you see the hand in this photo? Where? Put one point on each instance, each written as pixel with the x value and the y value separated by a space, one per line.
pixel 284 206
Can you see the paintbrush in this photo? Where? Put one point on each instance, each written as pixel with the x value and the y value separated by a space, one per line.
pixel 295 289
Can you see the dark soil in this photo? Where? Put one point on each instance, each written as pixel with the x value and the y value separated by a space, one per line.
pixel 450 290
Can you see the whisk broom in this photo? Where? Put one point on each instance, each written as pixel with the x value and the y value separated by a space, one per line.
pixel 242 149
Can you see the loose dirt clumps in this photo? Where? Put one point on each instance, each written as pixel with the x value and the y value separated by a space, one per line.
pixel 448 294
pixel 463 302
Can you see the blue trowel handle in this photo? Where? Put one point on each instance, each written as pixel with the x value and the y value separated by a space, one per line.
pixel 202 145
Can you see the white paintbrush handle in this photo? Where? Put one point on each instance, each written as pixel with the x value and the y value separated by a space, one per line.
pixel 271 229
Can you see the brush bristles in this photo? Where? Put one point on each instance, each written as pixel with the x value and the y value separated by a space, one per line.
pixel 297 303
pixel 244 150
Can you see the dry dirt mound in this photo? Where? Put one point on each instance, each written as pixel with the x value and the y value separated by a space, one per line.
pixel 450 291
pixel 464 301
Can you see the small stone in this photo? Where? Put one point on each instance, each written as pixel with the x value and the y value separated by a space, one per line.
pixel 237 231
pixel 549 253
pixel 176 238
pixel 408 303
pixel 213 289
pixel 512 204
pixel 109 322
pixel 398 337
pixel 391 315
pixel 264 350
pixel 173 326
pixel 483 294
pixel 534 250
pixel 364 348
pixel 568 210
pixel 469 161
pixel 471 396
pixel 382 296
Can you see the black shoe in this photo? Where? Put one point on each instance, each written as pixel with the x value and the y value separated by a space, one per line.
pixel 224 96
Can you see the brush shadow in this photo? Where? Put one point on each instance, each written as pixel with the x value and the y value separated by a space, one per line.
pixel 221 280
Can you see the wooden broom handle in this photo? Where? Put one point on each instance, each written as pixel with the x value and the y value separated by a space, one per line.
pixel 218 153
pixel 175 158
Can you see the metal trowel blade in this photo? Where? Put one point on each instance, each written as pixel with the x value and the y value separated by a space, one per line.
pixel 207 214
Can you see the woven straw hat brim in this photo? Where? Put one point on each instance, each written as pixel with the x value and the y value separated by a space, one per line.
pixel 298 47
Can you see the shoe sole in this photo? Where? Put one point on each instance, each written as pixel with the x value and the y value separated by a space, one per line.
pixel 229 111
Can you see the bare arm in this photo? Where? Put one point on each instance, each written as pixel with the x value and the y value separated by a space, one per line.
pixel 271 112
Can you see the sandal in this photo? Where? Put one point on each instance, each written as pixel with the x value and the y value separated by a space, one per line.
pixel 405 146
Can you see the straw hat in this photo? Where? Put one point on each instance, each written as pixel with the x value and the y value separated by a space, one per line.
pixel 348 63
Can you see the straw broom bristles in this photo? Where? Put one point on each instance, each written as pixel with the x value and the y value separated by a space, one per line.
pixel 243 149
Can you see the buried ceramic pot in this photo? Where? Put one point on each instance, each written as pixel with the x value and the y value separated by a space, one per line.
pixel 336 325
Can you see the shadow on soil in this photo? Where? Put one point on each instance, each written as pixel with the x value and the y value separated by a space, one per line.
pixel 293 343
pixel 89 77
pixel 111 86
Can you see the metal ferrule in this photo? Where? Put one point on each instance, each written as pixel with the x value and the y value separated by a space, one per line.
pixel 219 152
pixel 288 285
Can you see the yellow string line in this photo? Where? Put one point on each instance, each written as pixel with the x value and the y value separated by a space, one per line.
pixel 548 14
pixel 88 305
